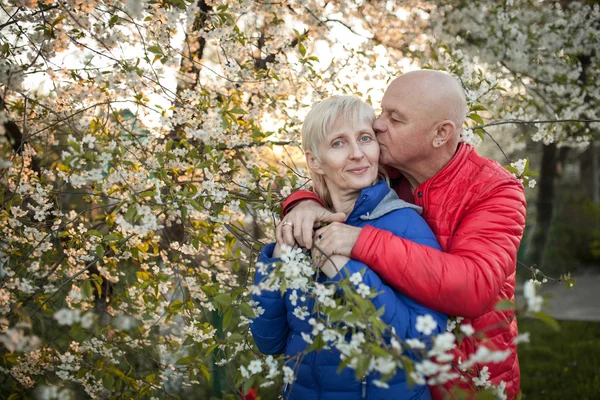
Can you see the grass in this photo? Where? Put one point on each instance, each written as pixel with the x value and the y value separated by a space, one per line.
pixel 561 364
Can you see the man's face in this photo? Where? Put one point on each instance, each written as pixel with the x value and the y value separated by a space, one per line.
pixel 404 132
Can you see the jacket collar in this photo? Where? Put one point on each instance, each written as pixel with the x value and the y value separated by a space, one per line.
pixel 368 199
pixel 446 174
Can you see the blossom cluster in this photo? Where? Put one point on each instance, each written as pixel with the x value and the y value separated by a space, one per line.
pixel 146 147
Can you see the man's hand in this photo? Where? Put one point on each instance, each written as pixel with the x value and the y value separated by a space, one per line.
pixel 333 265
pixel 297 226
pixel 337 238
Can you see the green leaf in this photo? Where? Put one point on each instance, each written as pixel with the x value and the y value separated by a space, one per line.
pixel 227 318
pixel 195 204
pixel 361 367
pixel 302 49
pixel 148 193
pixel 249 383
pixel 100 251
pixel 185 360
pixel 504 305
pixel 475 117
pixel 548 320
pixel 237 110
pixel 108 381
pixel 111 238
pixel 113 20
pixel 93 232
pixel 478 107
pixel 86 288
pixel 155 50
pixel 176 306
pixel 131 211
pixel 205 372
pixel 247 310
pixel 209 290
pixel 223 299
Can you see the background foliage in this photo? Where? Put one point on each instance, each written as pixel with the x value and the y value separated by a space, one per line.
pixel 147 146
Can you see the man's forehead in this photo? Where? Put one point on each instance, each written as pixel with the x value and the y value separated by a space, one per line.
pixel 392 104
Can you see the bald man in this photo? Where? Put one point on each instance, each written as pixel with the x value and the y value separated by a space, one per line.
pixel 474 206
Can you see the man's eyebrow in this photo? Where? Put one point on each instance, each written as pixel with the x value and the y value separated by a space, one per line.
pixel 396 111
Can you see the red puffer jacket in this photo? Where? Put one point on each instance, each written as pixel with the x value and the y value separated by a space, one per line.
pixel 477 211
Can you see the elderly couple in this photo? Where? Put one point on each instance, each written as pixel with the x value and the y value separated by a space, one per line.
pixel 442 240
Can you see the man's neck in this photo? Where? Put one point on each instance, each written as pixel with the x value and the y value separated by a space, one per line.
pixel 427 169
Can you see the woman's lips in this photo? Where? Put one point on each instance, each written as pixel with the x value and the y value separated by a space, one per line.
pixel 359 170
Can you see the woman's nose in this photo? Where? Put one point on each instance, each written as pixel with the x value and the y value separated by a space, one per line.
pixel 357 152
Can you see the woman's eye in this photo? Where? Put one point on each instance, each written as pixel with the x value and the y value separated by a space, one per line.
pixel 337 143
pixel 366 139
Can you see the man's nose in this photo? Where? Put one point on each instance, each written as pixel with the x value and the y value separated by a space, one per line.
pixel 378 125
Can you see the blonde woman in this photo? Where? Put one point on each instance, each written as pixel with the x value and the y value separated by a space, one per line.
pixel 342 154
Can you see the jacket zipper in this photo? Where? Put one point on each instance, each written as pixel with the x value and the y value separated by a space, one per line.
pixel 314 372
pixel 364 388
pixel 285 387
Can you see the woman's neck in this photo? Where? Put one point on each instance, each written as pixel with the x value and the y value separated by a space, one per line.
pixel 343 201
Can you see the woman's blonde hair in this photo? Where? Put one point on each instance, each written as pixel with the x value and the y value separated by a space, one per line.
pixel 325 117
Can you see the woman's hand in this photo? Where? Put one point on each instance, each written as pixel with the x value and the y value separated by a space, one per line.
pixel 277 251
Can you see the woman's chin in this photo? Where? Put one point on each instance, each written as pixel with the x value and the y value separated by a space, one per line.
pixel 361 182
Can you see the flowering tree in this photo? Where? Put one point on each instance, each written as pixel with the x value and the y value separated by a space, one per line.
pixel 134 204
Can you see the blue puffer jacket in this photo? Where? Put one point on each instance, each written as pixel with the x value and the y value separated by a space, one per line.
pixel 278 330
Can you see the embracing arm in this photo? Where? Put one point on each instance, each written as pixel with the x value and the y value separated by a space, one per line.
pixel 297 197
pixel 466 279
pixel 269 329
pixel 400 312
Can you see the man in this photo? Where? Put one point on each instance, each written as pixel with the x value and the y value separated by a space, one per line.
pixel 474 206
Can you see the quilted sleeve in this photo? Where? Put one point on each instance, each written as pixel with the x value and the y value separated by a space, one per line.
pixel 400 312
pixel 270 329
pixel 297 197
pixel 466 279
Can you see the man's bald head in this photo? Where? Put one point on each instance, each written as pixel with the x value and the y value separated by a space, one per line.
pixel 421 122
pixel 437 93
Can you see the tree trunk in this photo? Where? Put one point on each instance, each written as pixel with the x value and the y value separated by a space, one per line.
pixel 550 170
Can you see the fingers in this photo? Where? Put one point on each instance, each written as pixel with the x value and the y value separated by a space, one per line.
pixel 297 226
pixel 331 217
pixel 307 233
pixel 284 233
pixel 279 234
pixel 288 236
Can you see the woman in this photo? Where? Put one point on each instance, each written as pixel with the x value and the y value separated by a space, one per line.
pixel 342 154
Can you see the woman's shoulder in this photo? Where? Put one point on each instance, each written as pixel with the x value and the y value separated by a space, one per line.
pixel 391 206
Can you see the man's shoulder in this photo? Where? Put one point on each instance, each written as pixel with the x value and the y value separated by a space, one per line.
pixel 481 169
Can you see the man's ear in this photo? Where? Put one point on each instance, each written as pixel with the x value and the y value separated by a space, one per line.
pixel 313 163
pixel 444 132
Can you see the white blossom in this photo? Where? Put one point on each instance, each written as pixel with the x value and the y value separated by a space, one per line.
pixel 426 324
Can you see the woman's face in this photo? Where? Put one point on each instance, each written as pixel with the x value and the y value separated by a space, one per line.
pixel 348 158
